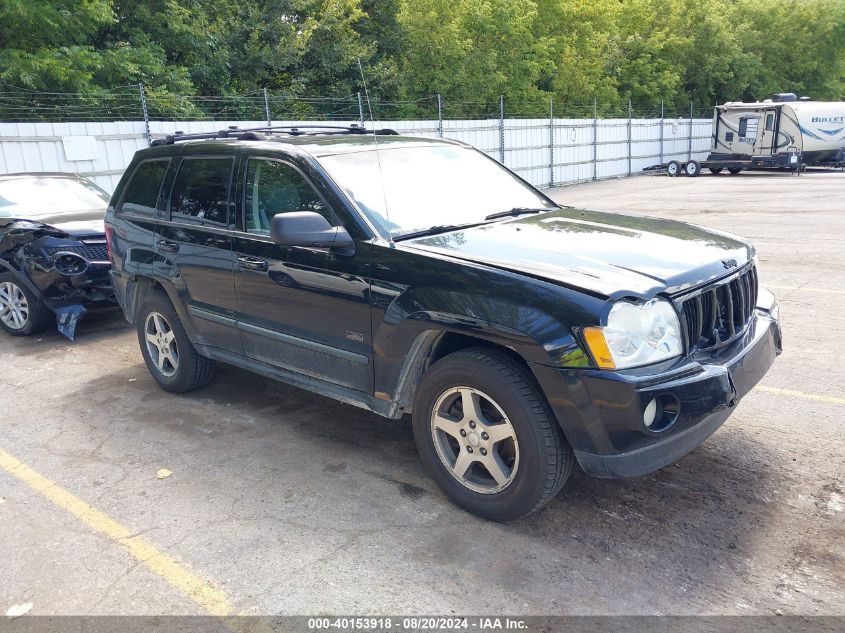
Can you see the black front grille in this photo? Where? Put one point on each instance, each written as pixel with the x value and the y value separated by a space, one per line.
pixel 719 313
pixel 90 252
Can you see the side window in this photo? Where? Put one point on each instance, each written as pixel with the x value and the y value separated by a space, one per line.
pixel 141 194
pixel 770 121
pixel 273 187
pixel 200 192
pixel 748 128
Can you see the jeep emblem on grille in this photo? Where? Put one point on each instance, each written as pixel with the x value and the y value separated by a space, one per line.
pixel 729 263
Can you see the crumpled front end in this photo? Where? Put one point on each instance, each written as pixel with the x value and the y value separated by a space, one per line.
pixel 68 273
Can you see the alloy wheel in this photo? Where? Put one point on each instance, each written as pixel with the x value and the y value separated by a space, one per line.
pixel 474 440
pixel 161 344
pixel 14 308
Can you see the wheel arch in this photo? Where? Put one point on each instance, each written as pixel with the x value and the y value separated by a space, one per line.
pixel 434 344
pixel 138 288
pixel 7 266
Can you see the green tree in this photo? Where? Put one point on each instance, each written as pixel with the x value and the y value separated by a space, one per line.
pixel 472 51
pixel 796 46
pixel 581 36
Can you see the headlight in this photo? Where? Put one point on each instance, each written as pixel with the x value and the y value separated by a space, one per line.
pixel 636 334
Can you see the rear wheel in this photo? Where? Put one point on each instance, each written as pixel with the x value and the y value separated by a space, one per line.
pixel 487 437
pixel 692 169
pixel 21 313
pixel 715 170
pixel 170 357
pixel 734 170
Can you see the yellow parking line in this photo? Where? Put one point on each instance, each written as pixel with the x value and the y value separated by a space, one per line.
pixel 196 588
pixel 805 288
pixel 801 394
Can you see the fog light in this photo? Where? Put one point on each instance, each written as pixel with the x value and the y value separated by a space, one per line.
pixel 650 413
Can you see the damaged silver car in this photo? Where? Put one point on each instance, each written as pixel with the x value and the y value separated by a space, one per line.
pixel 54 262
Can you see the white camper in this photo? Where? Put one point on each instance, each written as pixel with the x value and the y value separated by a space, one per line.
pixel 778 132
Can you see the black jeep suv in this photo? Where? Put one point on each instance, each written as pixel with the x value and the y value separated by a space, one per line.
pixel 410 275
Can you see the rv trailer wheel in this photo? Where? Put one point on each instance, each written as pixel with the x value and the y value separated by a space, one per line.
pixel 692 169
pixel 734 170
pixel 673 168
pixel 715 170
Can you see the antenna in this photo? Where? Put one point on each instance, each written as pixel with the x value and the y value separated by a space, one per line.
pixel 366 95
pixel 375 140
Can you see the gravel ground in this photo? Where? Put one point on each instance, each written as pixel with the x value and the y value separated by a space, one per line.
pixel 283 502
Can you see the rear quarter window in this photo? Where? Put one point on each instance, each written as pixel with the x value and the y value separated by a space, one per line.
pixel 142 192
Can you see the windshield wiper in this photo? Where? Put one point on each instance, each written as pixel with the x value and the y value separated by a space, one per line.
pixel 433 230
pixel 516 211
pixel 445 228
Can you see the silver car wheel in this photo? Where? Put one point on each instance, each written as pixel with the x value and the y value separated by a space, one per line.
pixel 14 308
pixel 161 344
pixel 474 440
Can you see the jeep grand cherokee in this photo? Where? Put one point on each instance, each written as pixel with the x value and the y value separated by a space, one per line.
pixel 417 276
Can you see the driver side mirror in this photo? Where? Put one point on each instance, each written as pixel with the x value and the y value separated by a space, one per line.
pixel 307 228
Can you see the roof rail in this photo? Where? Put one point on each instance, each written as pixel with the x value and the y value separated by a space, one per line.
pixel 254 133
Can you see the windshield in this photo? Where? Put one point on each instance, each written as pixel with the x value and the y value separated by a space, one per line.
pixel 35 197
pixel 428 186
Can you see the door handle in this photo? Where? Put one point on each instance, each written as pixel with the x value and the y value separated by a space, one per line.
pixel 253 263
pixel 168 247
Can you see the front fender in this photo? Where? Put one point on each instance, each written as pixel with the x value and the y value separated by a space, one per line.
pixel 407 335
pixel 417 298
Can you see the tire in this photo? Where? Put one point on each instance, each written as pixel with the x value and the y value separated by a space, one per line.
pixel 692 169
pixel 21 313
pixel 734 170
pixel 170 357
pixel 715 170
pixel 673 168
pixel 531 456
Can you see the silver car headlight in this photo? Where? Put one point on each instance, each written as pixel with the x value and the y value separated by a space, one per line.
pixel 636 334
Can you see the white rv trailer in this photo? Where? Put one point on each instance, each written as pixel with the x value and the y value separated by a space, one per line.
pixel 770 133
pixel 783 132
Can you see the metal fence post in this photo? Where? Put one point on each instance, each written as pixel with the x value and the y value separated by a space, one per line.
pixel 662 125
pixel 439 115
pixel 595 138
pixel 689 149
pixel 630 115
pixel 360 109
pixel 502 129
pixel 145 113
pixel 267 108
pixel 551 141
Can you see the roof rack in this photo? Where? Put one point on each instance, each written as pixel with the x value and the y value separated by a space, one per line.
pixel 255 133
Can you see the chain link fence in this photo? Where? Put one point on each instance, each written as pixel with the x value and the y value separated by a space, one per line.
pixel 546 142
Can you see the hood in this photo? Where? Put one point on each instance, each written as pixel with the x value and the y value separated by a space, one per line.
pixel 79 224
pixel 605 253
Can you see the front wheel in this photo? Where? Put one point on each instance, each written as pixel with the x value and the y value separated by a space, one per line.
pixel 21 313
pixel 487 437
pixel 673 168
pixel 169 355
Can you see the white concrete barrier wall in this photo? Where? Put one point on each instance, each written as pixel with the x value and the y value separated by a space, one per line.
pixel 543 152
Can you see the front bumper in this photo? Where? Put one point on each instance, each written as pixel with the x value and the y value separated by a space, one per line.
pixel 601 412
